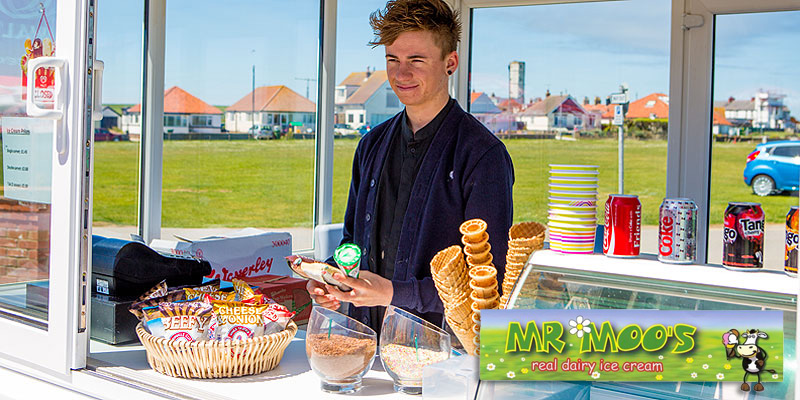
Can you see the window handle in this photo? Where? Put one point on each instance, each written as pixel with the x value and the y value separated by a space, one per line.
pixel 97 93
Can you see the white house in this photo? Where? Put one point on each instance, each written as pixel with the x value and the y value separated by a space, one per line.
pixel 110 118
pixel 492 117
pixel 183 113
pixel 554 113
pixel 764 111
pixel 272 107
pixel 365 98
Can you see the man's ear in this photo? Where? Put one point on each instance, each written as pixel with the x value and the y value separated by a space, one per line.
pixel 451 61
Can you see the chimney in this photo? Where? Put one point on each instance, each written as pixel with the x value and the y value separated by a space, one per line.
pixel 547 93
pixel 597 100
pixel 368 74
pixel 731 99
pixel 586 100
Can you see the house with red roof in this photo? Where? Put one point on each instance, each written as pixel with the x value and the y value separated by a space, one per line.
pixel 720 125
pixel 652 106
pixel 183 113
pixel 599 114
pixel 365 99
pixel 275 108
pixel 554 113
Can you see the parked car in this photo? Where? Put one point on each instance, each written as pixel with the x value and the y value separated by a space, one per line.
pixel 263 132
pixel 105 135
pixel 773 167
pixel 343 129
pixel 363 129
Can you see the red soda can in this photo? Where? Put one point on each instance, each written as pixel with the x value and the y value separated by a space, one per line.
pixel 623 226
pixel 677 231
pixel 743 237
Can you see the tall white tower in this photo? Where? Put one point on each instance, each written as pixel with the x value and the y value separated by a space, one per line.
pixel 516 81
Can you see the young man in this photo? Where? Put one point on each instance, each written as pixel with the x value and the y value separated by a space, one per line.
pixel 419 175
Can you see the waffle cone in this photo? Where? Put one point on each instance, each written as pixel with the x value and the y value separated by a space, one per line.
pixel 475 317
pixel 477 250
pixel 473 229
pixel 527 234
pixel 485 303
pixel 444 258
pixel 471 241
pixel 465 336
pixel 460 312
pixel 472 261
pixel 483 275
pixel 513 267
pixel 521 249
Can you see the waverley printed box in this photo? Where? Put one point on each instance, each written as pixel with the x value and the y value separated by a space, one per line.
pixel 632 345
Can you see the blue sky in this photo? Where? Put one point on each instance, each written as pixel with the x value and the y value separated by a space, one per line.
pixel 582 49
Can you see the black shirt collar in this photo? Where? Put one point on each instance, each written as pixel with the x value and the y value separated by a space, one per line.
pixel 428 130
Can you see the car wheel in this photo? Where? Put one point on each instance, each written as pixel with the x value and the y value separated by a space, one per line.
pixel 763 185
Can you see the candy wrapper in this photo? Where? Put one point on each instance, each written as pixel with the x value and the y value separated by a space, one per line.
pixel 315 270
pixel 184 321
pixel 237 320
pixel 156 291
pixel 245 293
pixel 208 287
pixel 276 317
pixel 171 296
pixel 216 295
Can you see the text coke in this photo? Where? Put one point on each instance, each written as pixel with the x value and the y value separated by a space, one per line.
pixel 623 226
pixel 677 231
pixel 743 236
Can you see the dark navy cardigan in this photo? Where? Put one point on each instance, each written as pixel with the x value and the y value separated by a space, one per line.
pixel 466 173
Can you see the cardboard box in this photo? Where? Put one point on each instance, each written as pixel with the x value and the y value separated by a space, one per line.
pixel 246 253
pixel 288 291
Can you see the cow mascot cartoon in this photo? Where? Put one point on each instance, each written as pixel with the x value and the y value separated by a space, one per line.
pixel 754 358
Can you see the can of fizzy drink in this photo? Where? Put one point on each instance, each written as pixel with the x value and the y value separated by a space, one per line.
pixel 792 239
pixel 623 226
pixel 677 231
pixel 743 237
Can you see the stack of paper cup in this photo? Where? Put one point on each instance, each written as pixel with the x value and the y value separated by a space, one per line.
pixel 572 208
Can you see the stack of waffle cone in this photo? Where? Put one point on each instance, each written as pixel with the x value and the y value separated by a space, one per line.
pixel 523 239
pixel 483 296
pixel 449 274
pixel 476 242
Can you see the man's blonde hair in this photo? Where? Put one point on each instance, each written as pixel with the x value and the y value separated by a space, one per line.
pixel 401 16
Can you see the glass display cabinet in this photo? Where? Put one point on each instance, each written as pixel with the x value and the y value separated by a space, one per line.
pixel 557 281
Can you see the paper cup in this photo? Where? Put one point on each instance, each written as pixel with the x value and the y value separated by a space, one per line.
pixel 588 227
pixel 574 213
pixel 568 201
pixel 574 167
pixel 573 174
pixel 553 207
pixel 573 188
pixel 575 195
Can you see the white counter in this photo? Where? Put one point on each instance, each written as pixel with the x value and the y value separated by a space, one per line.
pixel 292 379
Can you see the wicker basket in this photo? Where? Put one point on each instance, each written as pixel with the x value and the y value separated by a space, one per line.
pixel 216 359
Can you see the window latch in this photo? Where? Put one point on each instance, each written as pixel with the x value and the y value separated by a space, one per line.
pixel 692 21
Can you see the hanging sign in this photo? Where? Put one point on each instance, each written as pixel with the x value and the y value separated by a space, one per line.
pixel 632 345
pixel 27 158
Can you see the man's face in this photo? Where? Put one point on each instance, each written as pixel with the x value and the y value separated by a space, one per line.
pixel 415 68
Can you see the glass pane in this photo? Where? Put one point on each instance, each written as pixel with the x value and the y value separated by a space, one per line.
pixel 755 104
pixel 541 79
pixel 26 158
pixel 231 168
pixel 116 147
pixel 363 96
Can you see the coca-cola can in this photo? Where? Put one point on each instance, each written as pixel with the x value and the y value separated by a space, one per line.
pixel 623 226
pixel 677 231
pixel 743 237
pixel 792 239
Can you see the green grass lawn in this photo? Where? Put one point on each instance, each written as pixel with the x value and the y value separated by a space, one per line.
pixel 271 183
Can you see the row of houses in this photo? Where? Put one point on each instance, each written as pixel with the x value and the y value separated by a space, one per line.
pixel 564 113
pixel 268 107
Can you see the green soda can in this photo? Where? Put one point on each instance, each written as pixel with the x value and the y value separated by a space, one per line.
pixel 348 257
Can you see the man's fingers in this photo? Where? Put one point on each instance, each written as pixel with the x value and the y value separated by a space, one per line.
pixel 354 283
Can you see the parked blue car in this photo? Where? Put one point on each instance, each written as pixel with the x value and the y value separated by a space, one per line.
pixel 773 167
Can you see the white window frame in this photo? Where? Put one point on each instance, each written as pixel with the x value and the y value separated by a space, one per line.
pixel 51 348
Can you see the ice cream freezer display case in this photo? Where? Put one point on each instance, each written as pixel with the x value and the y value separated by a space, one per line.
pixel 552 280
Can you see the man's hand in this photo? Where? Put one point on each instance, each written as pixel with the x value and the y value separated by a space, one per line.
pixel 369 289
pixel 321 296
